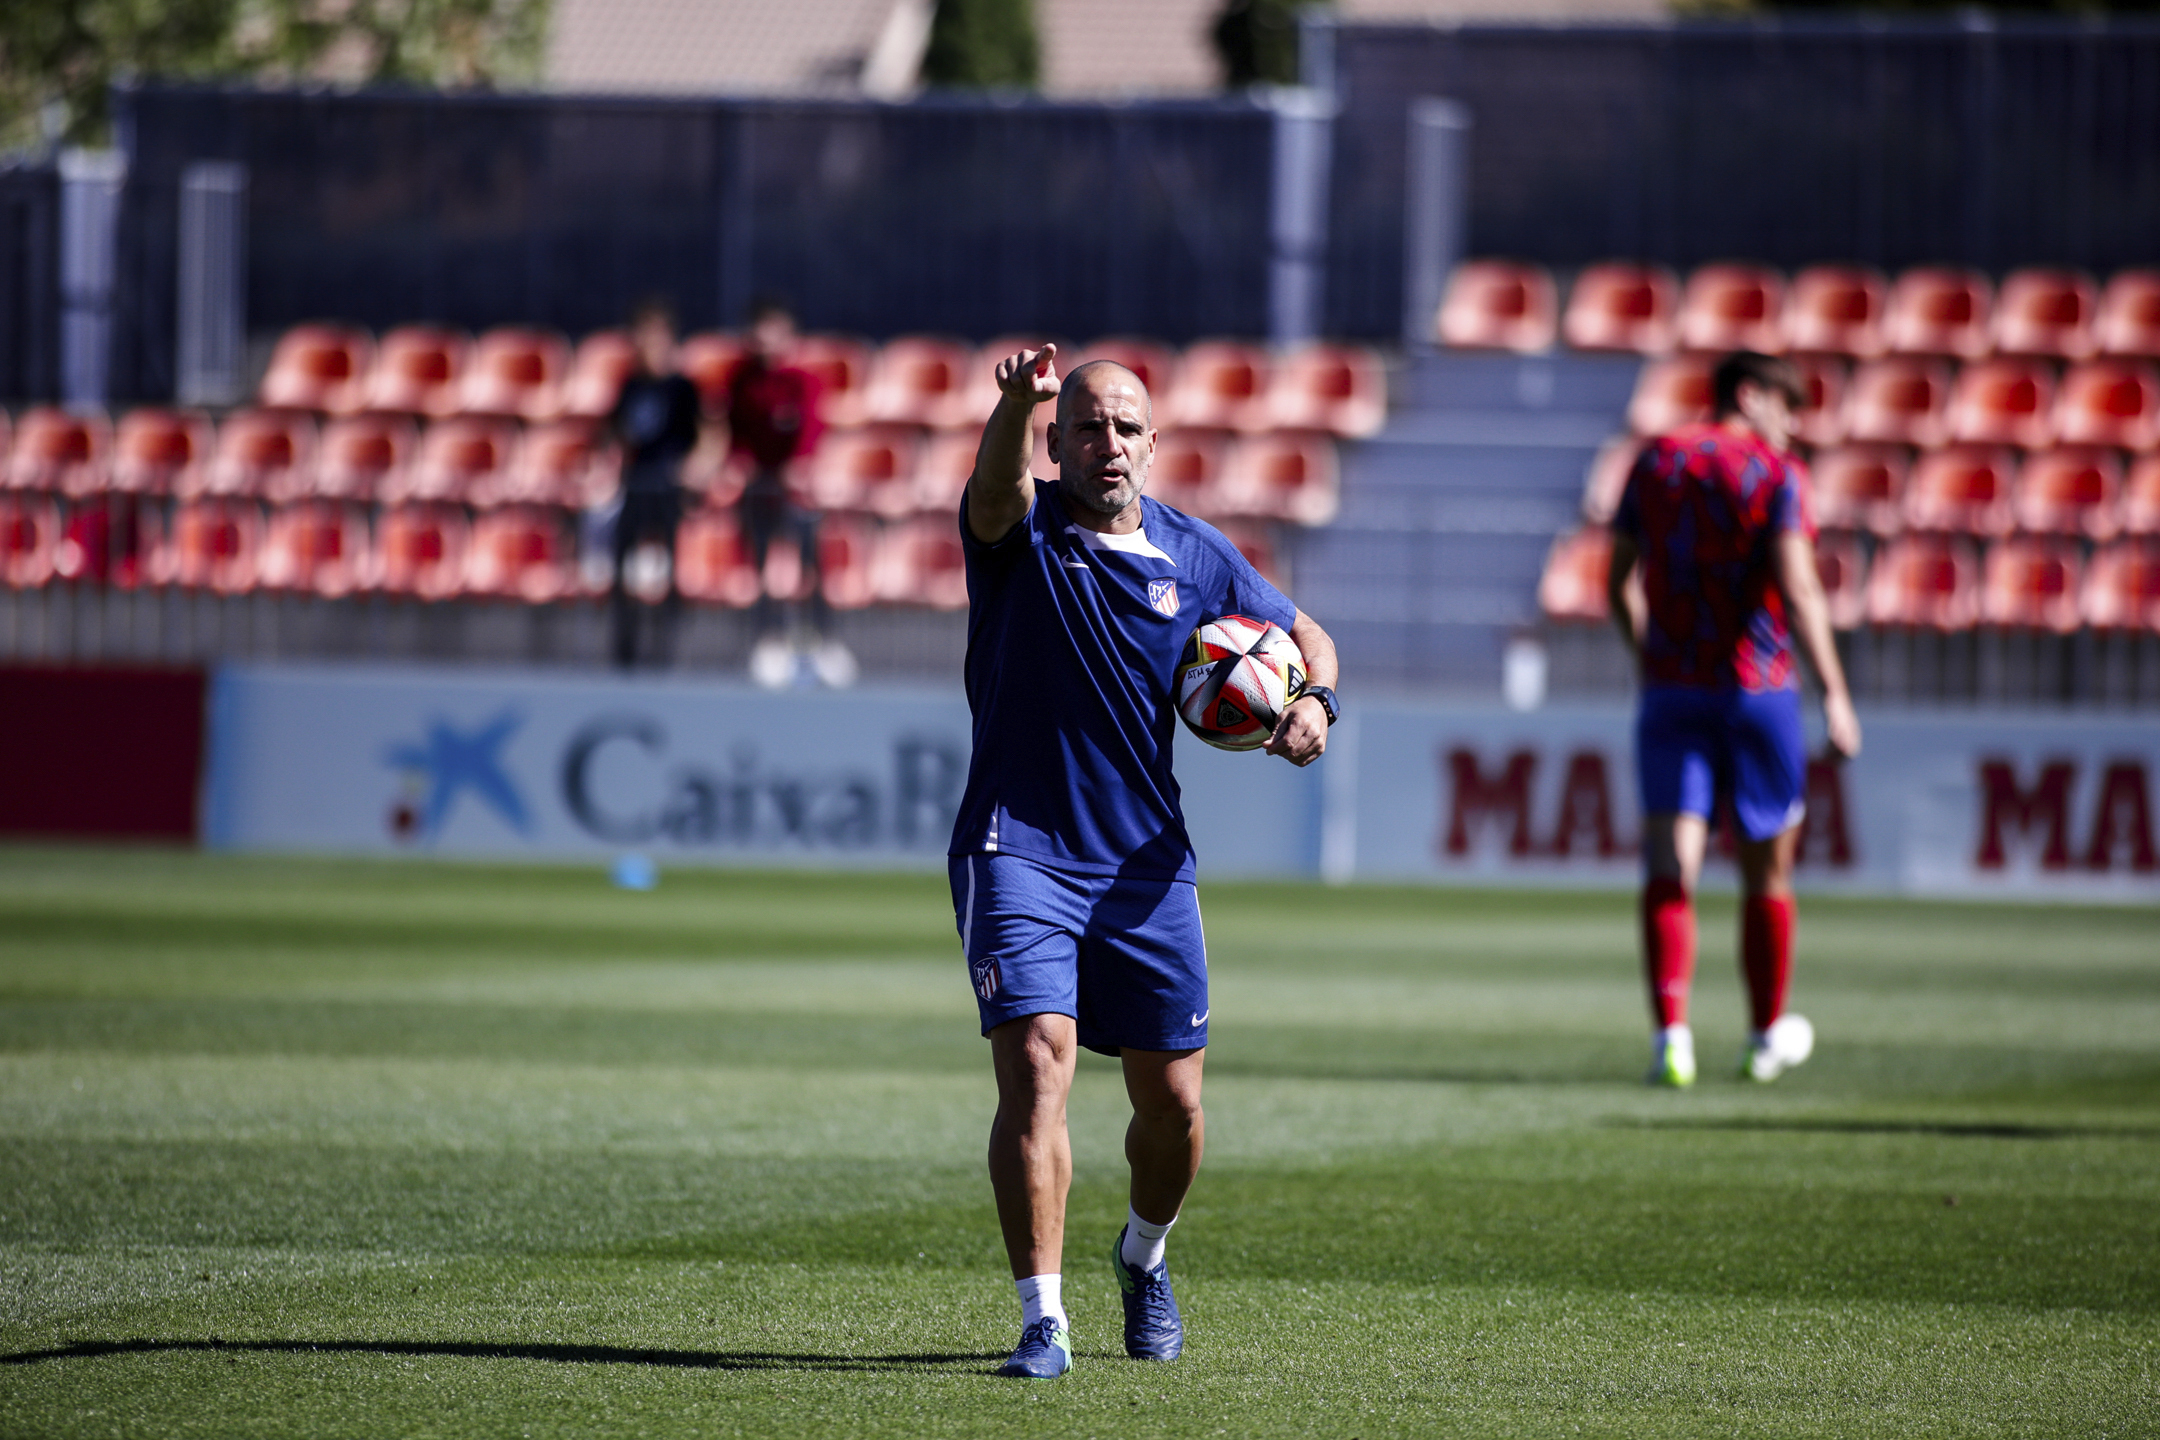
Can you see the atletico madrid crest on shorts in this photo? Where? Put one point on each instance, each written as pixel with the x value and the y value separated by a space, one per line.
pixel 1162 594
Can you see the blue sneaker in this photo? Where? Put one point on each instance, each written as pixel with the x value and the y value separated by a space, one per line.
pixel 1153 1329
pixel 1045 1352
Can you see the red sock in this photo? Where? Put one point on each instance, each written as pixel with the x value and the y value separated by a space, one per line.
pixel 1766 923
pixel 1668 929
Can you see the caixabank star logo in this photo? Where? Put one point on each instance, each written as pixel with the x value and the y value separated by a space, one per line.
pixel 447 762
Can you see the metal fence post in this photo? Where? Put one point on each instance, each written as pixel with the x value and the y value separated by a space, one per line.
pixel 1436 205
pixel 1298 213
pixel 211 363
pixel 90 183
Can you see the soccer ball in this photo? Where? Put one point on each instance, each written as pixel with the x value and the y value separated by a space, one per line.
pixel 1235 679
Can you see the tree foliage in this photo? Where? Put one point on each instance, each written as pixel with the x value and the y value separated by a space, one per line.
pixel 983 45
pixel 1257 41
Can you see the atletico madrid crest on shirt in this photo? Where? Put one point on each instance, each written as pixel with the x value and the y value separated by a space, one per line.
pixel 1162 594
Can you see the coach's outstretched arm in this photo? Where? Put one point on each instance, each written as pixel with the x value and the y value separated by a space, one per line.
pixel 1801 584
pixel 1000 490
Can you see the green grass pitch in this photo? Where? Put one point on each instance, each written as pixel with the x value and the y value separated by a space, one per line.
pixel 300 1148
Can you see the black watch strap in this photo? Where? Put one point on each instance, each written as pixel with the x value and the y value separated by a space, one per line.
pixel 1326 697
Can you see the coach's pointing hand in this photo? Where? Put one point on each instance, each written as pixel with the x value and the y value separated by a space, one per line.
pixel 1029 375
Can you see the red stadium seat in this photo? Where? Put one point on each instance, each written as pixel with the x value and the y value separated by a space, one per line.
pixel 1606 479
pixel 1341 389
pixel 363 456
pixel 268 453
pixel 1253 542
pixel 1899 400
pixel 417 371
pixel 603 360
pixel 847 561
pixel 109 540
pixel 567 462
pixel 2070 491
pixel 215 545
pixel 420 551
pixel 921 563
pixel 1859 487
pixel 979 379
pixel 710 360
pixel 2046 312
pixel 1671 393
pixel 1821 418
pixel 923 380
pixel 1622 306
pixel 517 372
pixel 1839 565
pixel 1223 385
pixel 318 367
pixel 521 552
pixel 2032 583
pixel 1155 365
pixel 1935 310
pixel 158 452
pixel 29 540
pixel 1964 489
pixel 457 459
pixel 712 559
pixel 2128 322
pixel 1929 582
pixel 869 468
pixel 1187 468
pixel 2140 506
pixel 1733 307
pixel 2005 401
pixel 1836 310
pixel 2109 402
pixel 842 367
pixel 2122 588
pixel 317 547
pixel 58 452
pixel 1499 305
pixel 941 475
pixel 1288 475
pixel 1576 569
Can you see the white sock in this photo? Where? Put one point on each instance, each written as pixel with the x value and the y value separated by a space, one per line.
pixel 1041 1295
pixel 1144 1241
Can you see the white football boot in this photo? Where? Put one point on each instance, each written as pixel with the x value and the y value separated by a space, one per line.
pixel 1770 1053
pixel 772 663
pixel 1672 1057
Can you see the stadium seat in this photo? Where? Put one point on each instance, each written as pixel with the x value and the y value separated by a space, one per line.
pixel 158 452
pixel 2069 491
pixel 1859 487
pixel 266 453
pixel 978 379
pixel 521 552
pixel 1671 393
pixel 1288 475
pixel 923 380
pixel 1733 307
pixel 1254 543
pixel 712 559
pixel 842 367
pixel 215 545
pixel 316 547
pixel 1964 489
pixel 457 459
pixel 602 361
pixel 568 462
pixel 847 560
pixel 517 372
pixel 318 367
pixel 1839 565
pixel 108 540
pixel 1821 418
pixel 1223 385
pixel 1622 306
pixel 29 540
pixel 1929 582
pixel 417 371
pixel 2122 587
pixel 1188 466
pixel 941 475
pixel 1499 305
pixel 1341 389
pixel 58 452
pixel 1573 584
pixel 1936 310
pixel 7 443
pixel 2128 320
pixel 362 456
pixel 1899 400
pixel 1606 479
pixel 920 562
pixel 710 359
pixel 2140 507
pixel 1155 365
pixel 2109 402
pixel 867 468
pixel 2005 401
pixel 420 551
pixel 2032 583
pixel 1836 310
pixel 2046 312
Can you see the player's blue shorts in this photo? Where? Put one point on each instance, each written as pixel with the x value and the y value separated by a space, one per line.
pixel 1693 745
pixel 1123 957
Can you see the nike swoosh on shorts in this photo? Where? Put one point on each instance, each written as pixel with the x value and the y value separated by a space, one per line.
pixel 1201 1018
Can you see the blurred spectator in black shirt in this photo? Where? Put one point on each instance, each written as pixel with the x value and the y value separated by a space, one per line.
pixel 656 418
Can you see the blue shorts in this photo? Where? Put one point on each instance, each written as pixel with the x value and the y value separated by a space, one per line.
pixel 1693 746
pixel 1123 957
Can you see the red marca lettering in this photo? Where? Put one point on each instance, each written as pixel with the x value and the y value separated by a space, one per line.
pixel 2123 820
pixel 2004 803
pixel 1825 834
pixel 1585 806
pixel 1505 797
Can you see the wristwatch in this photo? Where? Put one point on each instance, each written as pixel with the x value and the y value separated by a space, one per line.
pixel 1326 697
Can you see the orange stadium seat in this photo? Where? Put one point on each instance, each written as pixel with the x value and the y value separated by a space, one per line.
pixel 1188 466
pixel 1899 400
pixel 515 371
pixel 602 361
pixel 868 468
pixel 2046 312
pixel 569 462
pixel 1929 582
pixel 1733 307
pixel 2140 507
pixel 1499 305
pixel 1936 310
pixel 1606 479
pixel 1859 487
pixel 158 452
pixel 2122 587
pixel 2032 583
pixel 1341 389
pixel 710 359
pixel 417 371
pixel 923 380
pixel 2109 402
pixel 1155 365
pixel 2005 401
pixel 1622 306
pixel 920 563
pixel 56 451
pixel 316 547
pixel 941 475
pixel 318 367
pixel 457 459
pixel 1964 489
pixel 1821 418
pixel 842 367
pixel 1839 565
pixel 215 545
pixel 1670 393
pixel 1288 475
pixel 1222 384
pixel 29 540
pixel 2128 322
pixel 420 551
pixel 712 559
pixel 2070 491
pixel 521 552
pixel 362 456
pixel 268 453
pixel 1573 584
pixel 1836 310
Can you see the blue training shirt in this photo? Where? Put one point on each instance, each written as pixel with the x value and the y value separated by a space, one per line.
pixel 1073 643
